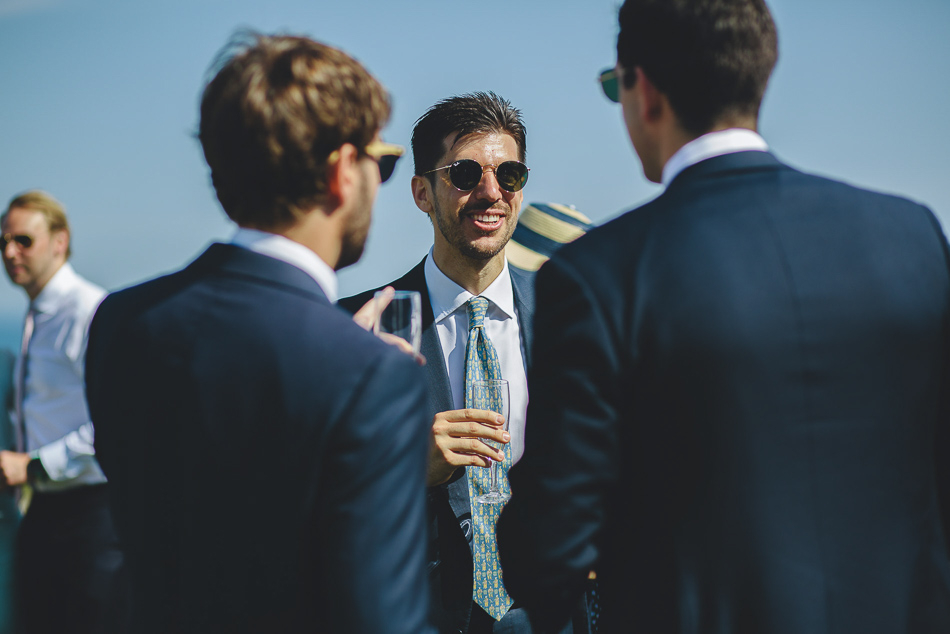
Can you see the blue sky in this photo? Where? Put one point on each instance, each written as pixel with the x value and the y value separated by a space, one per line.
pixel 100 98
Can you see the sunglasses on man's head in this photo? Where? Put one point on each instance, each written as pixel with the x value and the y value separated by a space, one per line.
pixel 24 241
pixel 467 173
pixel 610 83
pixel 386 156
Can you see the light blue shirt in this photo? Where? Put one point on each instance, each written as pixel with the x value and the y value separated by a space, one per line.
pixel 57 425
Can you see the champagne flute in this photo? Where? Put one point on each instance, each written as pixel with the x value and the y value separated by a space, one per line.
pixel 402 317
pixel 493 396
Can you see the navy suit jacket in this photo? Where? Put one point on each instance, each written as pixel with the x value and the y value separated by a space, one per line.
pixel 744 388
pixel 450 511
pixel 266 456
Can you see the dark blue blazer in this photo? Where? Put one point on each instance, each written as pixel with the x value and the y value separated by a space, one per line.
pixel 266 455
pixel 744 389
pixel 450 511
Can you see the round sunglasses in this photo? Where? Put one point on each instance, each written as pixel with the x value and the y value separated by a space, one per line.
pixel 467 173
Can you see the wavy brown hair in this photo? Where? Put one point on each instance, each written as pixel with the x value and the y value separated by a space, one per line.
pixel 275 110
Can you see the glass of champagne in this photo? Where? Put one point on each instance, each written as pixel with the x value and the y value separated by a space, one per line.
pixel 402 317
pixel 493 396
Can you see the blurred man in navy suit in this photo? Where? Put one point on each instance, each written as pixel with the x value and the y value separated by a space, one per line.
pixel 744 382
pixel 268 455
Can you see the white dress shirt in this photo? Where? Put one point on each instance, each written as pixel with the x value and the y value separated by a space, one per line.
pixel 450 311
pixel 57 425
pixel 710 145
pixel 286 250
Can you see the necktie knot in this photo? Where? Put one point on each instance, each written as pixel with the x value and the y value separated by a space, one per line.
pixel 477 308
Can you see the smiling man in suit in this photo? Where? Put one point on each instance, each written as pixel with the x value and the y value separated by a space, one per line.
pixel 743 383
pixel 469 153
pixel 267 453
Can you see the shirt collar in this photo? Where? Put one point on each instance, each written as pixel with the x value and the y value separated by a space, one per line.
pixel 446 296
pixel 710 145
pixel 58 286
pixel 294 253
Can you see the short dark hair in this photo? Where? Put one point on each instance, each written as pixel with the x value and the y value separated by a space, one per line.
pixel 711 58
pixel 271 117
pixel 464 115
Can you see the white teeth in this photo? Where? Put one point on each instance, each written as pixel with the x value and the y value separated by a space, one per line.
pixel 486 218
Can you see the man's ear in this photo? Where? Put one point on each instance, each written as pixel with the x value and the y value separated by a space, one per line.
pixel 342 176
pixel 60 241
pixel 422 193
pixel 651 100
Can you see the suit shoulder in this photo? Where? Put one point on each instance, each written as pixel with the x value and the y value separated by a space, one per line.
pixel 134 297
pixel 608 244
pixel 846 188
pixel 353 303
pixel 359 358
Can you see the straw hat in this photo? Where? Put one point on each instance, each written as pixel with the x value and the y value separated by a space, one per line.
pixel 542 229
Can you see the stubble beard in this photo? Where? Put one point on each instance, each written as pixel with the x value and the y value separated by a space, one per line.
pixel 357 230
pixel 451 230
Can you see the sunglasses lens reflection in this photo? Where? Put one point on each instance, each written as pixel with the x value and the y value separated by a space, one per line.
pixel 465 174
pixel 610 85
pixel 512 175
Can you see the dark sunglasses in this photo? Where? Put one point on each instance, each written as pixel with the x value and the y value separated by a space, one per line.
pixel 386 156
pixel 24 241
pixel 467 173
pixel 610 84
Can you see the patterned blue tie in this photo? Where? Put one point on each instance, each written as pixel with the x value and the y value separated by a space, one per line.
pixel 481 363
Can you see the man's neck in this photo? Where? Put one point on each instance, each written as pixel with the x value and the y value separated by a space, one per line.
pixel 33 291
pixel 471 274
pixel 317 230
pixel 676 137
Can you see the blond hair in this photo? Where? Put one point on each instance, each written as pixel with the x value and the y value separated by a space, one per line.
pixel 51 209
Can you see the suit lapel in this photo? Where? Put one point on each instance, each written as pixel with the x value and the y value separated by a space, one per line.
pixel 440 392
pixel 522 284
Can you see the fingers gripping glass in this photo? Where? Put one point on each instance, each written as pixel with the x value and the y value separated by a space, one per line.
pixel 386 156
pixel 466 174
pixel 496 397
pixel 23 241
pixel 401 317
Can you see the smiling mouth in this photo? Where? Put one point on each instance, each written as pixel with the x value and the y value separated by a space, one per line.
pixel 487 220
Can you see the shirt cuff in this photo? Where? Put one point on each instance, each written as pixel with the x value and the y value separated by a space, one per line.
pixel 54 459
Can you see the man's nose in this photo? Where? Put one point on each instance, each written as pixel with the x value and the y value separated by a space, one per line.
pixel 9 250
pixel 488 186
